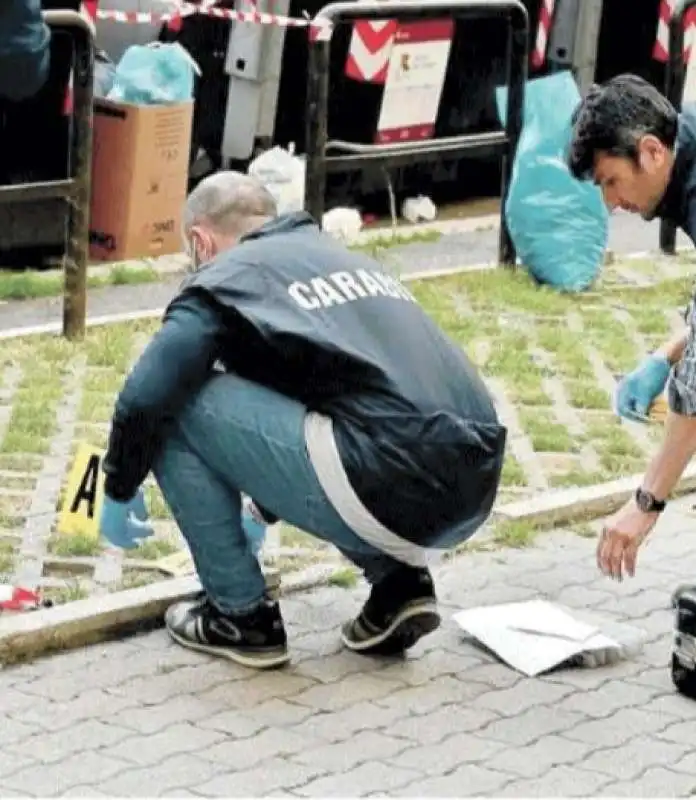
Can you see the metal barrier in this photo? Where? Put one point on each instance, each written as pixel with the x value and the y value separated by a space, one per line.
pixel 74 191
pixel 357 156
pixel 674 89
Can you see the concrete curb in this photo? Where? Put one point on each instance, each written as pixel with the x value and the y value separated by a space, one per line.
pixel 25 636
pixel 565 506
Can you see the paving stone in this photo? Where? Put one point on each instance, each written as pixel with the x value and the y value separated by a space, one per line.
pixel 536 759
pixel 424 699
pixel 343 756
pixel 49 780
pixel 468 781
pixel 627 762
pixel 658 782
pixel 152 719
pixel 372 776
pixel 90 735
pixel 351 689
pixel 531 725
pixel 447 755
pixel 618 728
pixel 557 782
pixel 433 727
pixel 247 752
pixel 609 698
pixel 255 690
pixel 524 695
pixel 340 725
pixel 272 775
pixel 179 771
pixel 153 748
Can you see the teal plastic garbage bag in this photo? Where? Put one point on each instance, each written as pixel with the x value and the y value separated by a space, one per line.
pixel 559 225
pixel 154 74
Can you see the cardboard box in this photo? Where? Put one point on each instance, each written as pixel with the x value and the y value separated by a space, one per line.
pixel 139 179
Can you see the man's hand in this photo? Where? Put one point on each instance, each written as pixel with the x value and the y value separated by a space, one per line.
pixel 621 538
pixel 124 524
pixel 637 391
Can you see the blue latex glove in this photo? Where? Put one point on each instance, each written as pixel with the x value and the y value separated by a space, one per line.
pixel 123 524
pixel 637 391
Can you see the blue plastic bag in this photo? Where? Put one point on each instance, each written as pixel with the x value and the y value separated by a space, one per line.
pixel 559 225
pixel 153 74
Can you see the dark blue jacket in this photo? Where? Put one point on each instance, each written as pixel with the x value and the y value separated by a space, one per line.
pixel 295 311
pixel 678 204
pixel 24 49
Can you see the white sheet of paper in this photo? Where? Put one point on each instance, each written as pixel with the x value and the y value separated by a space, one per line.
pixel 531 637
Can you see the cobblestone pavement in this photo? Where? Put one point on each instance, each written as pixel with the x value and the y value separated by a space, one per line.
pixel 145 718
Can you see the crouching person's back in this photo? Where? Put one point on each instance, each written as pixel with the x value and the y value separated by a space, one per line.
pixel 342 410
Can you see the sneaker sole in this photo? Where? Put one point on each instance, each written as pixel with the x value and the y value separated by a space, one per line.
pixel 254 662
pixel 408 626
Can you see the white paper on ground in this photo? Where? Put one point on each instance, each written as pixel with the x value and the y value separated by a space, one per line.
pixel 533 637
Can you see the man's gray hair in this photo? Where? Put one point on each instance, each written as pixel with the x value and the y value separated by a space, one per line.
pixel 229 201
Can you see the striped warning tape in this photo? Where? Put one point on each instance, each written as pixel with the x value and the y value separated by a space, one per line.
pixel 322 31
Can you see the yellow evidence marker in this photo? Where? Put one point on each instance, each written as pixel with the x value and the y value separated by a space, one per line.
pixel 84 494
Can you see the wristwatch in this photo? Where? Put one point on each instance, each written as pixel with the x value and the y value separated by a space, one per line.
pixel 648 503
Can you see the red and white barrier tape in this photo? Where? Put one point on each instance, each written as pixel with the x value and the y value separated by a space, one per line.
pixel 186 10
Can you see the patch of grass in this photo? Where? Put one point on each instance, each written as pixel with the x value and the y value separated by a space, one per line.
pixel 583 394
pixel 514 533
pixel 73 545
pixel 104 381
pixel 96 407
pixel 31 284
pixel 96 436
pixel 110 346
pixel 17 483
pixel 19 463
pixel 608 336
pixel 546 435
pixel 346 578
pixel 156 506
pixel 512 474
pixel 613 440
pixel 584 530
pixel 651 322
pixel 136 579
pixel 508 290
pixel 570 359
pixel 7 558
pixel 576 477
pixel 388 239
pixel 152 550
pixel 71 591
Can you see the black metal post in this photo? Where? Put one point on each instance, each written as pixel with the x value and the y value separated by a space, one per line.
pixel 504 143
pixel 516 79
pixel 674 88
pixel 77 238
pixel 316 123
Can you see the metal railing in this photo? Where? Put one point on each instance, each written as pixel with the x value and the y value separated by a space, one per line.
pixel 356 156
pixel 73 192
pixel 675 76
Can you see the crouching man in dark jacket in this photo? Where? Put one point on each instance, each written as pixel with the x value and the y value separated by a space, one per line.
pixel 342 409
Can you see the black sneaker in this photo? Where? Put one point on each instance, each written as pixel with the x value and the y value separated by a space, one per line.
pixel 256 639
pixel 399 611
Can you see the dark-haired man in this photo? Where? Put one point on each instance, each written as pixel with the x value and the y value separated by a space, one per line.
pixel 629 139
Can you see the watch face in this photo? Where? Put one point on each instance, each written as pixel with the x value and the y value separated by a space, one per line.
pixel 644 501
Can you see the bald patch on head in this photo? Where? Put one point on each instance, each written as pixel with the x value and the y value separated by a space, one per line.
pixel 230 202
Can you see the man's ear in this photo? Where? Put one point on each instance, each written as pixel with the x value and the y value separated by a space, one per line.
pixel 652 153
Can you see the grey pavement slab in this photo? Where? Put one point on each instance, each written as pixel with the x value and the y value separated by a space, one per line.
pixel 143 717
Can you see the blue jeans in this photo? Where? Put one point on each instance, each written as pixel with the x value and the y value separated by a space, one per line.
pixel 234 437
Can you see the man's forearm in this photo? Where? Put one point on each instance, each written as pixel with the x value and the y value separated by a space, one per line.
pixel 677 449
pixel 674 348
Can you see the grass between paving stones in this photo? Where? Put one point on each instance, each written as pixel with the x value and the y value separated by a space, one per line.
pixel 31 284
pixel 524 337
